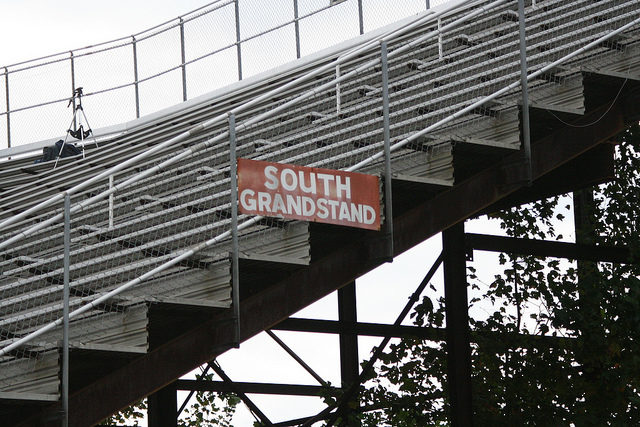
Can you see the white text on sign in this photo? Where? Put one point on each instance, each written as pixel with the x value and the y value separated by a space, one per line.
pixel 309 194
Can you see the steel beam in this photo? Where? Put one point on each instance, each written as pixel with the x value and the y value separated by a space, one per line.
pixel 547 248
pixel 365 329
pixel 457 319
pixel 343 264
pixel 297 358
pixel 253 388
pixel 426 333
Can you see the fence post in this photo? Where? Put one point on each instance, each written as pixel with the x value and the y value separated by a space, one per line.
pixel 388 208
pixel 135 76
pixel 297 27
pixel 65 312
pixel 235 269
pixel 6 89
pixel 73 90
pixel 182 54
pixel 238 47
pixel 360 17
pixel 428 5
pixel 526 135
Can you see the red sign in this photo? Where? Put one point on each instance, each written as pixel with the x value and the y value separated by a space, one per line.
pixel 308 194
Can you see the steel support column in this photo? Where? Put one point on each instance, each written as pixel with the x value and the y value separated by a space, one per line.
pixel 457 317
pixel 347 315
pixel 162 407
pixel 589 320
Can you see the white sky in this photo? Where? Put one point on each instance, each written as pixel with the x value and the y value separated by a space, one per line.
pixel 32 28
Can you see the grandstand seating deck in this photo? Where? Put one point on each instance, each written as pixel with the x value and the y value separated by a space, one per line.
pixel 149 222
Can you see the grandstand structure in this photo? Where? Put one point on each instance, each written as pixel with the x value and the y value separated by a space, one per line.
pixel 163 275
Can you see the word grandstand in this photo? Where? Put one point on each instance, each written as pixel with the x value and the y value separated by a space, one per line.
pixel 309 194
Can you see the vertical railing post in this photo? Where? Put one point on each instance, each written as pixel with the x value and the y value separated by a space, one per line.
pixel 183 56
pixel 297 27
pixel 360 17
pixel 388 208
pixel 428 5
pixel 440 48
pixel 73 90
pixel 65 313
pixel 110 202
pixel 135 75
pixel 338 92
pixel 6 89
pixel 235 269
pixel 526 134
pixel 238 47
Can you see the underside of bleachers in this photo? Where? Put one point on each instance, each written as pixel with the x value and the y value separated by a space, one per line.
pixel 166 326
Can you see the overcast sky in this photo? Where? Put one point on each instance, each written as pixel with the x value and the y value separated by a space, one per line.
pixel 34 28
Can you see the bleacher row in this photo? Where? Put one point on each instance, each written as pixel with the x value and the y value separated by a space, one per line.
pixel 153 220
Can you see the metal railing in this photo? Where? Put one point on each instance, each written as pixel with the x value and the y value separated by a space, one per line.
pixel 210 47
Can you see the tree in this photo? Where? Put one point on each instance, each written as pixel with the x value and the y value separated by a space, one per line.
pixel 558 343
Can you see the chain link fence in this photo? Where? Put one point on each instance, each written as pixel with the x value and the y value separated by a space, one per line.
pixel 211 47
